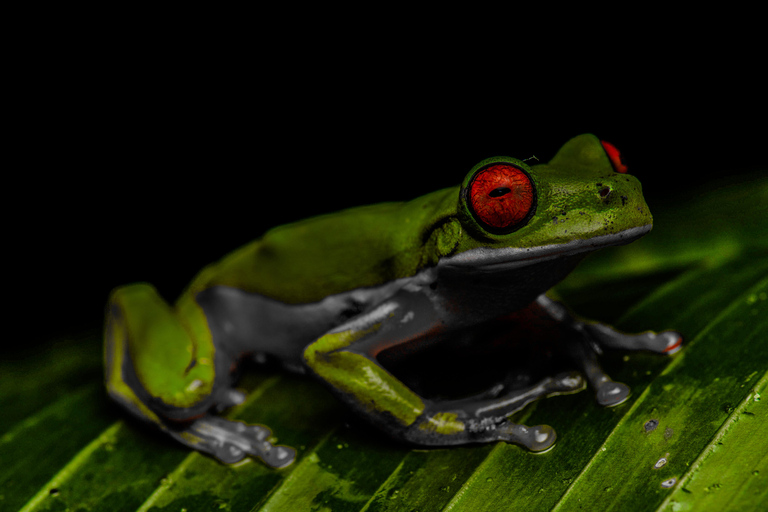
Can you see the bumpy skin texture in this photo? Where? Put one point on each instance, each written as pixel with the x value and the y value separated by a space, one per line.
pixel 579 197
pixel 332 293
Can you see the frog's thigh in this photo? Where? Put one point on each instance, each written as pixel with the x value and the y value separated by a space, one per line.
pixel 158 359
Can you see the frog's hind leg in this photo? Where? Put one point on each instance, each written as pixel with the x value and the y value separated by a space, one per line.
pixel 161 365
pixel 153 367
pixel 665 342
pixel 346 358
pixel 593 336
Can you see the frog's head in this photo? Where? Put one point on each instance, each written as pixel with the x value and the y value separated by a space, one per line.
pixel 583 199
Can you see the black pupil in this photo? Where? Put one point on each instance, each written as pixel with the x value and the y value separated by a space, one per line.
pixel 501 191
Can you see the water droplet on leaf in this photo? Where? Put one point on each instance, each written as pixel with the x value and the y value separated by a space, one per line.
pixel 666 484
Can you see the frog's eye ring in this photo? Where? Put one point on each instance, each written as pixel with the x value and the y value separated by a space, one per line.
pixel 614 156
pixel 500 196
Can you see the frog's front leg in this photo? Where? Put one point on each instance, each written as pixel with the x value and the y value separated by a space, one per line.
pixel 593 336
pixel 163 366
pixel 345 359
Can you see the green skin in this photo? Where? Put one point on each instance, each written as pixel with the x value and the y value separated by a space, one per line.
pixel 330 293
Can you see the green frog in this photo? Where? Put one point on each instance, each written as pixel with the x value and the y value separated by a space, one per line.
pixel 329 295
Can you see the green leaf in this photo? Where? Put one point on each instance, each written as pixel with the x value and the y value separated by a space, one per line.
pixel 692 436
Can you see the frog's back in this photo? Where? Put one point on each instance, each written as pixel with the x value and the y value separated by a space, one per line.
pixel 308 260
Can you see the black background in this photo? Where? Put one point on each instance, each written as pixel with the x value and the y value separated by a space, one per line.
pixel 135 164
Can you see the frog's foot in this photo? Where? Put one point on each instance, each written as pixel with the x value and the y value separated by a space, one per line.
pixel 607 392
pixel 231 441
pixel 665 342
pixel 595 335
pixel 538 438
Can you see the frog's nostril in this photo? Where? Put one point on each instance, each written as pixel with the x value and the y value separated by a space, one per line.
pixel 604 192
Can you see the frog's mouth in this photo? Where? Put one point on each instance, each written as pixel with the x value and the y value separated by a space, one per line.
pixel 489 259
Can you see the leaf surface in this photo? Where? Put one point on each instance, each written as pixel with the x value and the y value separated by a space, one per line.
pixel 692 436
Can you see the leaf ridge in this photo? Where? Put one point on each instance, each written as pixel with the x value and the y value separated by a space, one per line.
pixel 717 438
pixel 73 465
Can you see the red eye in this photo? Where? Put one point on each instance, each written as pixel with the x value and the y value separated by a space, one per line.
pixel 614 156
pixel 501 195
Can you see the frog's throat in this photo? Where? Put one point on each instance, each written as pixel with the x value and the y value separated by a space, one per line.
pixel 506 258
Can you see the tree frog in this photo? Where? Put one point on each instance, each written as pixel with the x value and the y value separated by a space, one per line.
pixel 331 294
